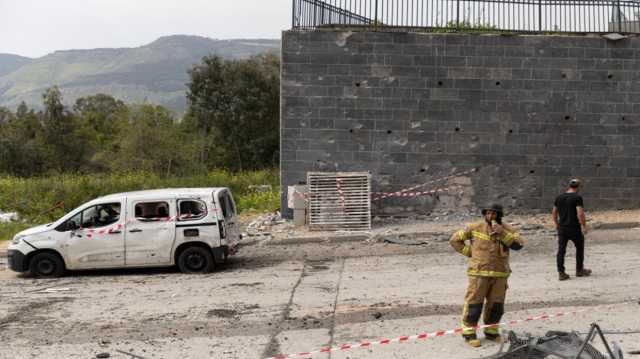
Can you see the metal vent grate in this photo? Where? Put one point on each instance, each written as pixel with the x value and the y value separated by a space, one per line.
pixel 339 201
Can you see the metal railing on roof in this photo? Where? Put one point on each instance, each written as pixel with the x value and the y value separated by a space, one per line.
pixel 529 16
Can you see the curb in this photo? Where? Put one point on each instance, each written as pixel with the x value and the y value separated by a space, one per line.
pixel 619 225
pixel 319 239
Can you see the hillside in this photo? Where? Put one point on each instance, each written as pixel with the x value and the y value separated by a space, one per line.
pixel 9 63
pixel 154 73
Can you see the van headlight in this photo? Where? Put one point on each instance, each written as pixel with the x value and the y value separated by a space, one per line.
pixel 17 239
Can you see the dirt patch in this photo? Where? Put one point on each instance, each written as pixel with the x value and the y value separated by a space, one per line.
pixel 29 313
pixel 255 284
pixel 222 313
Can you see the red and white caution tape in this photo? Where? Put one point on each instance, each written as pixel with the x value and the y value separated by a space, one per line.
pixel 400 192
pixel 403 339
pixel 422 193
pixel 90 232
pixel 340 191
pixel 341 194
pixel 407 192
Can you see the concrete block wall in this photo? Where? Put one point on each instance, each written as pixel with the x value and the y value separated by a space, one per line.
pixel 527 111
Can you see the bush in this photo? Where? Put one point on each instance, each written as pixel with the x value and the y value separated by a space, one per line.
pixel 8 230
pixel 35 198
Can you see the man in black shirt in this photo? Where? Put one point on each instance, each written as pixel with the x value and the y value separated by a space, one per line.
pixel 568 216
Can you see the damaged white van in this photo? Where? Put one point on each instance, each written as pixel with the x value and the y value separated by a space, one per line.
pixel 193 228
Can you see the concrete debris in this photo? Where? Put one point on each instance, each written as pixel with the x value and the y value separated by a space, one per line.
pixel 557 344
pixel 263 225
pixel 403 241
pixel 134 356
pixel 104 342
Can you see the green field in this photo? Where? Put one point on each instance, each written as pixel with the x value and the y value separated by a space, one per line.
pixel 35 198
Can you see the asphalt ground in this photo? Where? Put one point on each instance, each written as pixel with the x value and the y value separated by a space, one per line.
pixel 282 299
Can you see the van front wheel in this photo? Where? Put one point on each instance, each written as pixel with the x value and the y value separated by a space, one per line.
pixel 195 260
pixel 46 265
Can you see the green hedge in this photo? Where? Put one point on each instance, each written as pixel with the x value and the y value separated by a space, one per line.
pixel 34 198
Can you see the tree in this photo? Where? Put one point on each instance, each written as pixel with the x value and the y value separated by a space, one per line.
pixel 64 150
pixel 234 108
pixel 151 140
pixel 20 153
pixel 99 120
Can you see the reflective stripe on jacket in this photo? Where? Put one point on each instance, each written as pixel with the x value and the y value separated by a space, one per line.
pixel 488 254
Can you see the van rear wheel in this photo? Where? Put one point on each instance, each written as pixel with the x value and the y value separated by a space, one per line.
pixel 195 260
pixel 46 265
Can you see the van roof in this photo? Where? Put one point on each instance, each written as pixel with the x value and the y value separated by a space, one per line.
pixel 168 192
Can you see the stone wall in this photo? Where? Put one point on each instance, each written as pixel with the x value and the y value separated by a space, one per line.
pixel 527 111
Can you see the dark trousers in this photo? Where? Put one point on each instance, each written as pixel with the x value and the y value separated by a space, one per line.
pixel 578 240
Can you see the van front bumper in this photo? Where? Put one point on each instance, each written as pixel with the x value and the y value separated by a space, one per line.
pixel 17 261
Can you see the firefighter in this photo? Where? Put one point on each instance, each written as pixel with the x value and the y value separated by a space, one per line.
pixel 489 242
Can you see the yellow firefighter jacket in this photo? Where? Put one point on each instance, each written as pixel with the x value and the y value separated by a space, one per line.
pixel 488 254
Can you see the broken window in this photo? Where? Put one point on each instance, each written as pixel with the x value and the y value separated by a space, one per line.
pixel 96 216
pixel 100 215
pixel 228 209
pixel 151 211
pixel 191 209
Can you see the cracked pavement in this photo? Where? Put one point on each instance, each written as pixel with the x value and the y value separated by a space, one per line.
pixel 270 300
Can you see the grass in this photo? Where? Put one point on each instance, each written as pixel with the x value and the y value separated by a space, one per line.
pixel 8 230
pixel 35 199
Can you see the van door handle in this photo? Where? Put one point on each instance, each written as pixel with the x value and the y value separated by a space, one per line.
pixel 135 230
pixel 115 232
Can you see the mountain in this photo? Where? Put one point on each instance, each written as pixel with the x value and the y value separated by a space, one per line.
pixel 154 73
pixel 9 63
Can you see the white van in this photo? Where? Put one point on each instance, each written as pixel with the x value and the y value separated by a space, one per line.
pixel 193 228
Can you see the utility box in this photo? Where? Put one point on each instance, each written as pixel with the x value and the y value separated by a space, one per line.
pixel 298 202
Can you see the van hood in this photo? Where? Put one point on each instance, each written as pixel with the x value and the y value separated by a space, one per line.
pixel 35 230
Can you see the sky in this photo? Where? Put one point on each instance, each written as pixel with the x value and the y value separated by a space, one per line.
pixel 34 28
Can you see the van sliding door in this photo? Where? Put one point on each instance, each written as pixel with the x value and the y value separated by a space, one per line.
pixel 150 232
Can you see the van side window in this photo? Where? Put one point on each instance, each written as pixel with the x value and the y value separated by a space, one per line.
pixel 190 209
pixel 101 215
pixel 151 211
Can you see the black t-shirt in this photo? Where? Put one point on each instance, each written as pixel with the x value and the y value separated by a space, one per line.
pixel 567 213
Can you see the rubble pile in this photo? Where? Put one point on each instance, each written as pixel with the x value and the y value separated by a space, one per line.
pixel 263 226
pixel 557 344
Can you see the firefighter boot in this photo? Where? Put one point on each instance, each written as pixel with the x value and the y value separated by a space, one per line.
pixel 472 340
pixel 493 337
pixel 563 276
